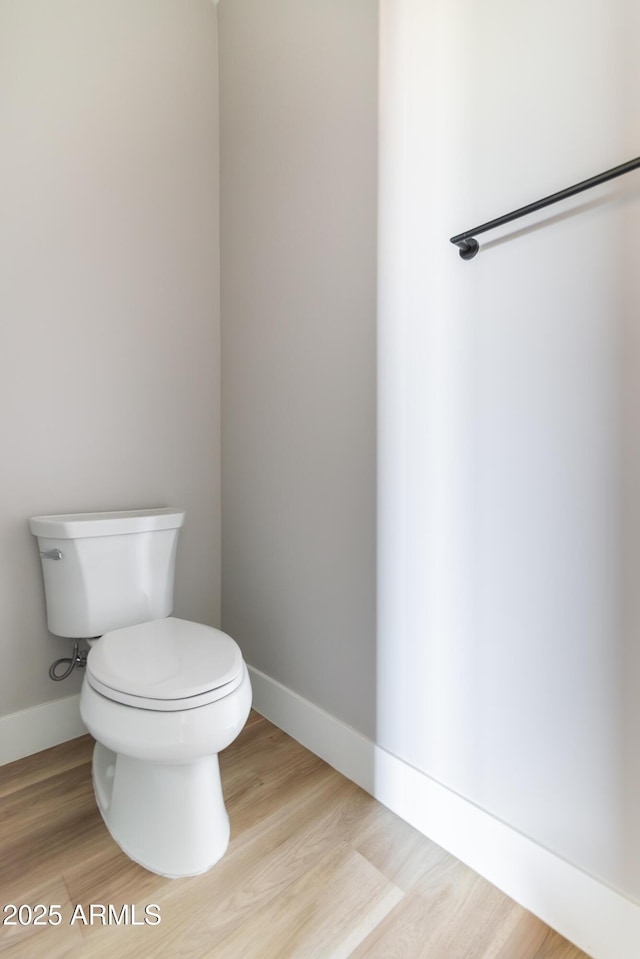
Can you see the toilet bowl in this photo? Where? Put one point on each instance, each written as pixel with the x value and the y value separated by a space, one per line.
pixel 162 699
pixel 161 696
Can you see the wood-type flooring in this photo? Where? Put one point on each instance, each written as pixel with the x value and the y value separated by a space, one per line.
pixel 316 869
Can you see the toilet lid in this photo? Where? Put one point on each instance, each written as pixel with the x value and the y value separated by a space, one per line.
pixel 165 664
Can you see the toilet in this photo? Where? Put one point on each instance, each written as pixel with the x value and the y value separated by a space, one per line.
pixel 161 696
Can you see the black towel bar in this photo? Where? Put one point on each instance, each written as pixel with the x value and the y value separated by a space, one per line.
pixel 468 245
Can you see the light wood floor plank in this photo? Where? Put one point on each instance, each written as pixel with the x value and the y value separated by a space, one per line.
pixel 36 941
pixel 50 762
pixel 322 915
pixel 316 869
pixel 450 913
pixel 390 844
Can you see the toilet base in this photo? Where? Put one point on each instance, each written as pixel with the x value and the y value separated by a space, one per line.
pixel 171 819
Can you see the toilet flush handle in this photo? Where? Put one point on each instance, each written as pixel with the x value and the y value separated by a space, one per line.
pixel 51 554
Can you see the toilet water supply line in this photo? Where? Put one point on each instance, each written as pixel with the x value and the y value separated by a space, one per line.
pixel 78 660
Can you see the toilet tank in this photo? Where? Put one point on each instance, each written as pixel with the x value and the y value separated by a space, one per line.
pixel 103 571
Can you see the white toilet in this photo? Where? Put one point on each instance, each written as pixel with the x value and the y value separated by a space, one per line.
pixel 161 696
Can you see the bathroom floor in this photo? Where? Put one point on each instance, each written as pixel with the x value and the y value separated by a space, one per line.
pixel 315 868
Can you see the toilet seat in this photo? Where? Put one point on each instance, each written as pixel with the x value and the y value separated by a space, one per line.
pixel 165 665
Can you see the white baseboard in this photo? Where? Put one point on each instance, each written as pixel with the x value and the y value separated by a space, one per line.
pixel 603 923
pixel 30 730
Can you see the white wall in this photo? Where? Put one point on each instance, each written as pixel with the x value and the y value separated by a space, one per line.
pixel 109 339
pixel 298 82
pixel 509 540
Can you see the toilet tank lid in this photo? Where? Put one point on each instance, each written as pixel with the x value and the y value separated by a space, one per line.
pixel 77 525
